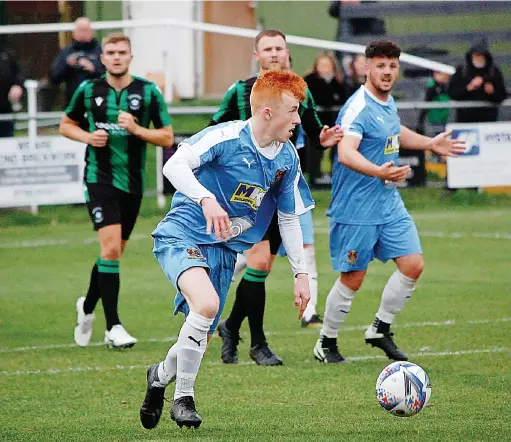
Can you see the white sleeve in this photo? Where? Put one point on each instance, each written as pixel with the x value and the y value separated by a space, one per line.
pixel 292 239
pixel 179 171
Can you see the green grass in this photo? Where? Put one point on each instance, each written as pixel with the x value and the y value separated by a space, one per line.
pixel 93 394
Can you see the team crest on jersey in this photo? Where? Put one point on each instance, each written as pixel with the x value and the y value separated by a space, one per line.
pixel 248 194
pixel 352 257
pixel 195 254
pixel 278 176
pixel 134 101
pixel 391 145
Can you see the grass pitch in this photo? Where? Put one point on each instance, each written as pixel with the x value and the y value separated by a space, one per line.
pixel 456 326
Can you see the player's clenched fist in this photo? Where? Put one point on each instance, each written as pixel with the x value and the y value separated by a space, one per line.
pixel 127 121
pixel 98 138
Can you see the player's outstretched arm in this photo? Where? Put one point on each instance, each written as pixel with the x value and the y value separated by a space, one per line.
pixel 349 155
pixel 442 144
pixel 291 233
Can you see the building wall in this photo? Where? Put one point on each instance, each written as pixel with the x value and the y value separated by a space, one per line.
pixel 99 10
pixel 163 49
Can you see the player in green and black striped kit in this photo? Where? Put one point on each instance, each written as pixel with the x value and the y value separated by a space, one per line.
pixel 118 109
pixel 271 52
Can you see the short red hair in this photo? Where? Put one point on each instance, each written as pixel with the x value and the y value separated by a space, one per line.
pixel 272 84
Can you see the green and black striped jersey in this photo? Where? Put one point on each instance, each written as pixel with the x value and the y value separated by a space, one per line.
pixel 121 163
pixel 236 106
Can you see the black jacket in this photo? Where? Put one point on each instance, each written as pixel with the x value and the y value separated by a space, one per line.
pixel 73 76
pixel 326 95
pixel 464 75
pixel 10 75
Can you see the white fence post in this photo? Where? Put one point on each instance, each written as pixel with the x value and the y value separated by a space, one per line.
pixel 31 86
pixel 160 197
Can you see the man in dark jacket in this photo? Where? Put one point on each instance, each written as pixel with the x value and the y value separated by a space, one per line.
pixel 80 60
pixel 11 86
pixel 478 80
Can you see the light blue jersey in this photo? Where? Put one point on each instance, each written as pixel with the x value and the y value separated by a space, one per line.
pixel 248 186
pixel 239 176
pixel 357 198
pixel 368 218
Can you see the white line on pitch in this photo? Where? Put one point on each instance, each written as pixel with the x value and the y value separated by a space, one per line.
pixel 448 322
pixel 217 363
pixel 320 228
pixel 62 242
pixel 450 235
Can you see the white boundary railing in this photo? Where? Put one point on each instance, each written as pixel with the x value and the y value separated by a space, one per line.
pixel 220 29
pixel 33 116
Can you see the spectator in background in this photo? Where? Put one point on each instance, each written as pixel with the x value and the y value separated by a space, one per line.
pixel 478 80
pixel 356 73
pixel 79 61
pixel 326 84
pixel 11 87
pixel 353 27
pixel 436 90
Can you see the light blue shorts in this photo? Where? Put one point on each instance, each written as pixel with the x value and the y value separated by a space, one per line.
pixel 353 247
pixel 177 255
pixel 307 225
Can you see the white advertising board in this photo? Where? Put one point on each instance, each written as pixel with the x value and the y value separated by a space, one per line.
pixel 48 174
pixel 487 161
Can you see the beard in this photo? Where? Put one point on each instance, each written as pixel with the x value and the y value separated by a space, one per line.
pixel 379 88
pixel 118 74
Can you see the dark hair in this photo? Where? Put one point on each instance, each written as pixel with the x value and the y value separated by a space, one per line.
pixel 383 48
pixel 268 33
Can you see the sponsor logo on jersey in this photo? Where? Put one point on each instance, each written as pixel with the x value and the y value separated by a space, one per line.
pixel 392 145
pixel 111 127
pixel 248 194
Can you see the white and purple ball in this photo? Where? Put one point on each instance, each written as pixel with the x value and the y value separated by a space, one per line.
pixel 403 389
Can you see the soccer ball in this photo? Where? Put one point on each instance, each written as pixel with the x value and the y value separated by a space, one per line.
pixel 403 389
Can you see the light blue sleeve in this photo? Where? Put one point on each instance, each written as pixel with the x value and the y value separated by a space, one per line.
pixel 210 143
pixel 294 194
pixel 352 118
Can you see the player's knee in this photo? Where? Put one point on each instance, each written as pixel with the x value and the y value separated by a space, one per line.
pixel 209 307
pixel 352 280
pixel 413 266
pixel 260 261
pixel 112 252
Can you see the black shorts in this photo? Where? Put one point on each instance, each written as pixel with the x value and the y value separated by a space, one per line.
pixel 108 206
pixel 273 235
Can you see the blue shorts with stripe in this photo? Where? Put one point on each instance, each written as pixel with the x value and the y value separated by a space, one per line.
pixel 353 247
pixel 176 255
